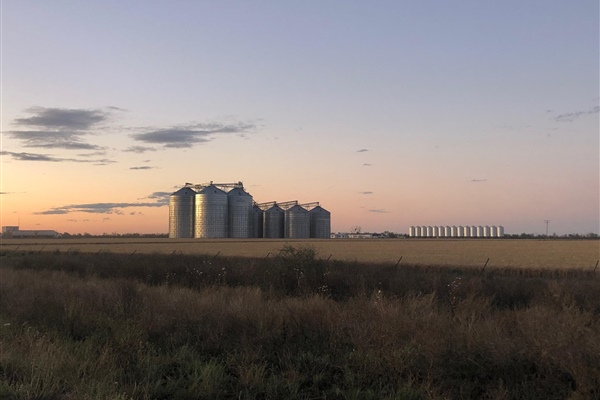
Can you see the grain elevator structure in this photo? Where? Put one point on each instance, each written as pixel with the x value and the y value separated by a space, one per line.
pixel 226 210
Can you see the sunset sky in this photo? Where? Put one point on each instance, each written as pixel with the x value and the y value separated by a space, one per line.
pixel 389 113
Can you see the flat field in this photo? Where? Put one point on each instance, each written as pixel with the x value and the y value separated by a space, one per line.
pixel 502 253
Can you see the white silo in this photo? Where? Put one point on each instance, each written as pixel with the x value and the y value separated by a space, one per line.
pixel 411 231
pixel 424 231
pixel 447 232
pixel 467 231
pixel 441 231
pixel 417 231
pixel 460 232
pixel 453 231
pixel 486 231
pixel 500 231
pixel 435 231
pixel 493 231
pixel 479 231
pixel 473 231
pixel 429 231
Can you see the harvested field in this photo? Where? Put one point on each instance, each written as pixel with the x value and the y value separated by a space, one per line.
pixel 502 253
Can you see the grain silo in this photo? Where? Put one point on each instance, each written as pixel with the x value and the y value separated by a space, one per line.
pixel 257 221
pixel 320 223
pixel 181 213
pixel 500 231
pixel 473 231
pixel 239 212
pixel 273 222
pixel 486 231
pixel 211 213
pixel 297 222
pixel 417 231
pixel 411 231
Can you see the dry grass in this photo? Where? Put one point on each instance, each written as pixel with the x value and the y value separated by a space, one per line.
pixel 523 253
pixel 148 327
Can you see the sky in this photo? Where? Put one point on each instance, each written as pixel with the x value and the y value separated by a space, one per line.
pixel 388 113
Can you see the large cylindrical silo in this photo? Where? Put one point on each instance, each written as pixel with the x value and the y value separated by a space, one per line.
pixel 447 231
pixel 500 231
pixel 273 222
pixel 473 231
pixel 181 213
pixel 479 231
pixel 486 231
pixel 467 231
pixel 320 223
pixel 411 231
pixel 239 213
pixel 460 231
pixel 493 231
pixel 211 213
pixel 297 223
pixel 417 231
pixel 257 222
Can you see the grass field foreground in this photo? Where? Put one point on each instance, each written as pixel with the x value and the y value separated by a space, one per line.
pixel 89 326
pixel 502 253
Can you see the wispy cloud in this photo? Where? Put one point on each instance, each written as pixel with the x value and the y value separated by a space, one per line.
pixel 362 150
pixel 49 158
pixel 379 210
pixel 478 180
pixel 59 128
pixel 189 135
pixel 367 165
pixel 572 116
pixel 97 208
pixel 63 118
pixel 139 149
pixel 144 167
pixel 365 192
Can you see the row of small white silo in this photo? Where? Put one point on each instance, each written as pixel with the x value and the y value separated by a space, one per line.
pixel 213 213
pixel 457 231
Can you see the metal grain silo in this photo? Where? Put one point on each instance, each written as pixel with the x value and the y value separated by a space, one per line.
pixel 257 222
pixel 441 231
pixel 460 231
pixel 473 231
pixel 239 212
pixel 453 231
pixel 479 231
pixel 273 222
pixel 486 231
pixel 211 213
pixel 297 223
pixel 500 231
pixel 320 223
pixel 417 231
pixel 467 231
pixel 447 232
pixel 411 231
pixel 435 231
pixel 424 231
pixel 181 213
pixel 493 231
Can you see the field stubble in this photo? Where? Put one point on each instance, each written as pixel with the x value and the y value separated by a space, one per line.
pixel 525 253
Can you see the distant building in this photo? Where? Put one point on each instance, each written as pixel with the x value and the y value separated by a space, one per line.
pixel 14 232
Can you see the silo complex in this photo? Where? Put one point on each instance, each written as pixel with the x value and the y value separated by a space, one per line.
pixel 297 223
pixel 461 231
pixel 226 210
pixel 181 213
pixel 240 213
pixel 211 213
pixel 320 223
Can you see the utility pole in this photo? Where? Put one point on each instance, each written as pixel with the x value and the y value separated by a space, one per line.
pixel 547 221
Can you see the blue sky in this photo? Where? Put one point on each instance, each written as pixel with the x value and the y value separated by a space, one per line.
pixel 468 112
